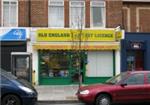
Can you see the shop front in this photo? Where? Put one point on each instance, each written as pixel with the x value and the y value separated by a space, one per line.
pixel 62 54
pixel 14 55
pixel 11 40
pixel 135 52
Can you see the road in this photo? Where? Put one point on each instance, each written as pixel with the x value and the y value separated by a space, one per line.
pixel 47 103
pixel 60 103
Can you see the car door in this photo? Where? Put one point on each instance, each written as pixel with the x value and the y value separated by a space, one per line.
pixel 134 89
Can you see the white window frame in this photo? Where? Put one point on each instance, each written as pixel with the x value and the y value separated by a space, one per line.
pixel 2 22
pixel 61 4
pixel 96 3
pixel 70 6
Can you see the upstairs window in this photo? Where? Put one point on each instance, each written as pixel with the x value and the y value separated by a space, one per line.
pixel 97 9
pixel 77 14
pixel 9 13
pixel 56 13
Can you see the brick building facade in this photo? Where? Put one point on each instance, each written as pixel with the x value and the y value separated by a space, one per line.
pixel 133 16
pixel 136 16
pixel 48 17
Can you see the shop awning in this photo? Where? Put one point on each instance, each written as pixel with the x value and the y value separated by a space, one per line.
pixel 76 47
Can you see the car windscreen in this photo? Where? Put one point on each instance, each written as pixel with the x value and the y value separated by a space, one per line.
pixel 7 74
pixel 116 79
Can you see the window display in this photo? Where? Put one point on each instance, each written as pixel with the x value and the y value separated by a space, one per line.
pixel 54 64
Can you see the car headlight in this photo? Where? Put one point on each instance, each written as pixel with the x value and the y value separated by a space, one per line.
pixel 84 92
pixel 26 89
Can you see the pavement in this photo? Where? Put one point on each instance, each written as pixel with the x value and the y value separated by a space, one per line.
pixel 57 93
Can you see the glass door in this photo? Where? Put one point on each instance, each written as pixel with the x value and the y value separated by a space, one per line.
pixel 77 67
pixel 135 60
pixel 21 65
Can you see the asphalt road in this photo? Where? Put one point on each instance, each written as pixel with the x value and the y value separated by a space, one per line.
pixel 74 103
pixel 60 103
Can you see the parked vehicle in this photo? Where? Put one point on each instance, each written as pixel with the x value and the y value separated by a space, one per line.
pixel 124 88
pixel 16 91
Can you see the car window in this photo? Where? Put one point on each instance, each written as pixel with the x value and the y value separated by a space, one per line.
pixel 135 79
pixel 148 76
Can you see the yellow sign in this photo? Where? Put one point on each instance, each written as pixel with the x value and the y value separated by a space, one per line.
pixel 77 35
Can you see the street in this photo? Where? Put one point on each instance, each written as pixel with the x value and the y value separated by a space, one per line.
pixel 78 103
pixel 60 103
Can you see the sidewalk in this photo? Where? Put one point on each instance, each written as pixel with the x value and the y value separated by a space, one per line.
pixel 57 93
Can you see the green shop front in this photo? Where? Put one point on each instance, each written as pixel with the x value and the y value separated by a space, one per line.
pixel 62 54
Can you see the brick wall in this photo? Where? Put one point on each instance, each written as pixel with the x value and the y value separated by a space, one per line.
pixel 23 16
pixel 87 16
pixel 113 13
pixel 125 19
pixel 66 13
pixel 39 13
pixel 138 16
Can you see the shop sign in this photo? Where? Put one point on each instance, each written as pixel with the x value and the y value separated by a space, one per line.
pixel 77 35
pixel 15 34
pixel 136 45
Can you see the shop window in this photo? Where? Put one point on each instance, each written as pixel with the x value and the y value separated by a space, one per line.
pixel 77 14
pixel 10 13
pixel 56 13
pixel 100 64
pixel 97 9
pixel 54 64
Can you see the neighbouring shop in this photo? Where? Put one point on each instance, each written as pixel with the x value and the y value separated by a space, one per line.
pixel 12 40
pixel 14 57
pixel 56 52
pixel 135 52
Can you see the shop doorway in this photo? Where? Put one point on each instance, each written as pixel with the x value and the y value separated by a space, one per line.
pixel 135 60
pixel 21 65
pixel 77 67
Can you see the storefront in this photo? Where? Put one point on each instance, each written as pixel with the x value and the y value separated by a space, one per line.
pixel 11 40
pixel 135 52
pixel 56 53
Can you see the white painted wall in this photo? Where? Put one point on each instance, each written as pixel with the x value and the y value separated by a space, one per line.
pixel 35 65
pixel 30 49
pixel 117 63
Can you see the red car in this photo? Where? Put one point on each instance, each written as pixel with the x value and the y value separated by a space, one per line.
pixel 124 88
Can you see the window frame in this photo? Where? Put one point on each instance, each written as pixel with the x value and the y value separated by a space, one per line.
pixel 17 13
pixel 92 4
pixel 58 5
pixel 70 6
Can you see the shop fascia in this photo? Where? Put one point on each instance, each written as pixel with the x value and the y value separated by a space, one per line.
pixel 90 39
pixel 14 34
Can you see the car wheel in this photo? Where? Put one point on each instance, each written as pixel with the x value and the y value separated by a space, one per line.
pixel 11 100
pixel 103 99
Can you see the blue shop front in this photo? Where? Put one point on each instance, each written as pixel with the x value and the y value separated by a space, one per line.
pixel 135 52
pixel 11 40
